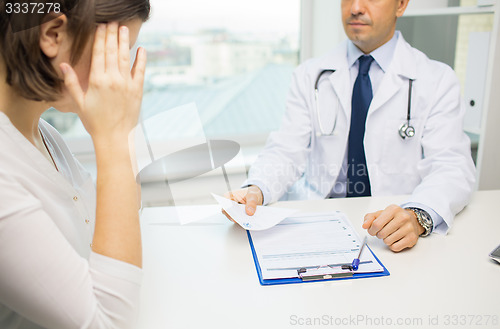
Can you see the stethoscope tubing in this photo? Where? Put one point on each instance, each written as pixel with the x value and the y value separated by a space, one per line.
pixel 410 88
pixel 316 98
pixel 406 129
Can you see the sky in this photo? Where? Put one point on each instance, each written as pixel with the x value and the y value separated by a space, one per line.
pixel 234 15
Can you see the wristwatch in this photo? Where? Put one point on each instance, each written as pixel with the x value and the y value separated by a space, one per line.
pixel 424 219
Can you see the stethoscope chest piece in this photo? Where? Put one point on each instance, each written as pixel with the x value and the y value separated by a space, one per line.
pixel 406 130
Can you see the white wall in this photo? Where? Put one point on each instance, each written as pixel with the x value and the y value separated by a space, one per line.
pixel 426 4
pixel 489 150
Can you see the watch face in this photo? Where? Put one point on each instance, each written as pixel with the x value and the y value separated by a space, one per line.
pixel 423 219
pixel 426 218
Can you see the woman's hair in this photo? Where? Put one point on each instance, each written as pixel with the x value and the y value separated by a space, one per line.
pixel 28 70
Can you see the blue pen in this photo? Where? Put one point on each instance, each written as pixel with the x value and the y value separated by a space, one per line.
pixel 355 262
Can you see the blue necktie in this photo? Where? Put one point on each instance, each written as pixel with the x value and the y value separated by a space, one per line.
pixel 358 181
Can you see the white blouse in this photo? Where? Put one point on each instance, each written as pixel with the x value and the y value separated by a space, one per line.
pixel 49 277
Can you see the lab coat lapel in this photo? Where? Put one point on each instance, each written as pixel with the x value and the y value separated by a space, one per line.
pixel 340 80
pixel 402 68
pixel 342 89
pixel 390 85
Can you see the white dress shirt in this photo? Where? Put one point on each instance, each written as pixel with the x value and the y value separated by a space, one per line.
pixel 49 276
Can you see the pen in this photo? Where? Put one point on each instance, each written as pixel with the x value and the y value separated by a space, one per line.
pixel 355 262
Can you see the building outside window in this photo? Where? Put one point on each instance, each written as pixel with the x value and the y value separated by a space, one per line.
pixel 233 60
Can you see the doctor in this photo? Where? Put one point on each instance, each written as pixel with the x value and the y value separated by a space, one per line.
pixel 373 117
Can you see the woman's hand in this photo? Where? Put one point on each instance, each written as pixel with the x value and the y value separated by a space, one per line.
pixel 110 107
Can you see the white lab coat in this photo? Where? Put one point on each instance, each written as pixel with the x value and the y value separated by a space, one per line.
pixel 434 167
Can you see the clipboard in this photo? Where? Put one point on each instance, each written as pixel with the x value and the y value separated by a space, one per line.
pixel 338 275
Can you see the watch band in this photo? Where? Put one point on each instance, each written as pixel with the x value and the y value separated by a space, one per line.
pixel 424 219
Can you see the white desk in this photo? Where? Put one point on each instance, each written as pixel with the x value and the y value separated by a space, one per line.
pixel 202 275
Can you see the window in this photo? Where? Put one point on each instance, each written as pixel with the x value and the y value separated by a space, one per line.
pixel 233 59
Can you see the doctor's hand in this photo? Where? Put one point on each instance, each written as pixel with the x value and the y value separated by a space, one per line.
pixel 398 227
pixel 250 196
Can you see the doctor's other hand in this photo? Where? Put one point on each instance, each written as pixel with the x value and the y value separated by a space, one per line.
pixel 397 227
pixel 250 196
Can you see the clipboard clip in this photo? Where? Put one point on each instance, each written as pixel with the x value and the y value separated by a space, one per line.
pixel 325 272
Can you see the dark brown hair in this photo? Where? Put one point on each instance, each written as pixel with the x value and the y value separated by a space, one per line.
pixel 28 70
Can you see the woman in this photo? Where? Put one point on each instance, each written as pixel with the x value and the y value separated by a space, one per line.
pixel 69 257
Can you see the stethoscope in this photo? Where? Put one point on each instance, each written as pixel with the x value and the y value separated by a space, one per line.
pixel 406 129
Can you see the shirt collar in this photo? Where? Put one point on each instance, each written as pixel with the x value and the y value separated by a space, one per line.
pixel 382 55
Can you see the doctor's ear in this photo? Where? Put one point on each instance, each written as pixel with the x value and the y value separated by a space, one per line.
pixel 402 4
pixel 53 34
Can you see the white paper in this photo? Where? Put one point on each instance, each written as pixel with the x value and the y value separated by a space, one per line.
pixel 263 219
pixel 310 241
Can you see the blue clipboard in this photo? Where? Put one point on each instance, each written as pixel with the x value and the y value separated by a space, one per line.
pixel 270 282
